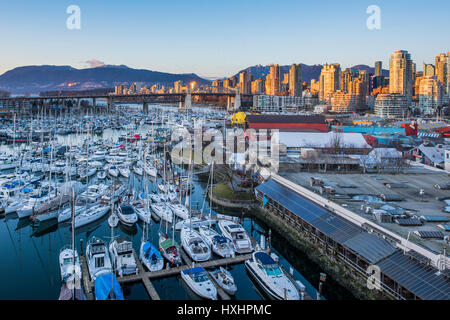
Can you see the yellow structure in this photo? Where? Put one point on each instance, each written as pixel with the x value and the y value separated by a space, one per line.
pixel 238 118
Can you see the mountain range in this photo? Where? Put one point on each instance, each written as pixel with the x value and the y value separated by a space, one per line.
pixel 36 79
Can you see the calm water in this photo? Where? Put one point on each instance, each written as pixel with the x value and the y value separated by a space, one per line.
pixel 30 269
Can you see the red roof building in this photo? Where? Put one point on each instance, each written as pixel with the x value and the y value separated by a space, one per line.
pixel 302 123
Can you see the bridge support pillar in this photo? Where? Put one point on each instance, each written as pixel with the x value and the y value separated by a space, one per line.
pixel 187 102
pixel 145 107
pixel 110 104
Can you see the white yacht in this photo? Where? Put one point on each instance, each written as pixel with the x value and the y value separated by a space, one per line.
pixel 98 258
pixel 124 171
pixel 194 245
pixel 225 280
pixel 127 214
pixel 90 215
pixel 143 210
pixel 220 245
pixel 179 210
pixel 197 279
pixel 151 257
pixel 240 238
pixel 150 171
pixel 163 211
pixel 154 197
pixel 122 256
pixel 113 171
pixel 270 277
pixel 69 265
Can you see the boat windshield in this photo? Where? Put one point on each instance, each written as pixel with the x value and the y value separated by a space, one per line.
pixel 200 277
pixel 68 261
pixel 272 270
pixel 127 210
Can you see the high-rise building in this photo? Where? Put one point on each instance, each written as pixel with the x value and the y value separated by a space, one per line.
pixel 378 69
pixel 442 71
pixel 430 93
pixel 428 70
pixel 295 80
pixel 390 105
pixel 274 79
pixel 243 82
pixel 401 74
pixel 330 79
pixel 258 86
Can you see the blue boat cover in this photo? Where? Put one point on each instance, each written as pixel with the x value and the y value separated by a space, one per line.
pixel 264 258
pixel 108 288
pixel 194 270
pixel 221 239
pixel 150 250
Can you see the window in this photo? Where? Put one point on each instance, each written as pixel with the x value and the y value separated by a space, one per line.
pixel 99 262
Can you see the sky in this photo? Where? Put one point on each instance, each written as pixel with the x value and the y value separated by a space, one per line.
pixel 216 38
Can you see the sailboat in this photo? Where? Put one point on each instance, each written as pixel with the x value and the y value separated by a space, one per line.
pixel 169 248
pixel 70 267
pixel 194 245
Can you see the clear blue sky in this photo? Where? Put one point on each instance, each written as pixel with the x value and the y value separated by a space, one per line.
pixel 219 38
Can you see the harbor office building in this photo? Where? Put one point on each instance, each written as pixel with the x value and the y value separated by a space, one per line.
pixel 371 252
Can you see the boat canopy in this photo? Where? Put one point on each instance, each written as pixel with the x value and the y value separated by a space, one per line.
pixel 220 239
pixel 108 288
pixel 150 250
pixel 169 243
pixel 194 270
pixel 264 258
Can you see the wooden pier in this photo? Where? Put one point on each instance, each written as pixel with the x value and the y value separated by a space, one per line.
pixel 145 276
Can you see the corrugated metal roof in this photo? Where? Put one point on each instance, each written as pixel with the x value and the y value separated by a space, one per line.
pixel 281 118
pixel 371 247
pixel 323 140
pixel 368 246
pixel 417 278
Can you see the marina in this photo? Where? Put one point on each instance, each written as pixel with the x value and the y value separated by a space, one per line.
pixel 91 201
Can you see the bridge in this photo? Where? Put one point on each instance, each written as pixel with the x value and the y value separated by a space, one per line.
pixel 11 105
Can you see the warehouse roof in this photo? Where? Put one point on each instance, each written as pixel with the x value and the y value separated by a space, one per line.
pixel 323 140
pixel 281 118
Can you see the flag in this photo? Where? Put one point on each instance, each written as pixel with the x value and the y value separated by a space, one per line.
pixel 323 277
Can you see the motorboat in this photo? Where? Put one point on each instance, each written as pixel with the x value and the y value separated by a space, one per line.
pixel 194 245
pixel 234 231
pixel 179 210
pixel 197 279
pixel 170 249
pixel 90 215
pixel 171 195
pixel 163 188
pixel 225 280
pixel 69 265
pixel 106 287
pixel 98 258
pixel 33 202
pixel 220 245
pixel 151 257
pixel 267 272
pixel 122 256
pixel 127 214
pixel 162 211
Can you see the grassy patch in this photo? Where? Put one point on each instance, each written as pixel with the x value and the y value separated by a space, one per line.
pixel 223 190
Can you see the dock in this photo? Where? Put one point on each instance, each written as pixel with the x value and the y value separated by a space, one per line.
pixel 145 277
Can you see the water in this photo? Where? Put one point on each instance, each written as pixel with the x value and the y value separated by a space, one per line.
pixel 30 269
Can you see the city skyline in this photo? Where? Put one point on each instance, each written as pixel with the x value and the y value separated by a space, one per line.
pixel 213 40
